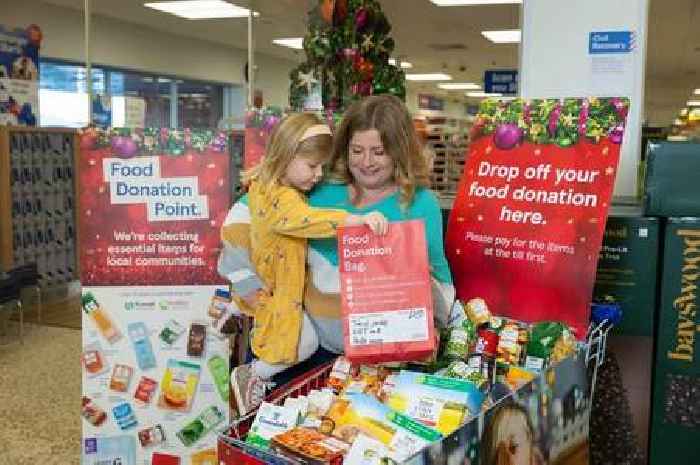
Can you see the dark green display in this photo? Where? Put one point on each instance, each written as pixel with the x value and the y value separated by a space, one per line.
pixel 628 270
pixel 675 429
pixel 672 187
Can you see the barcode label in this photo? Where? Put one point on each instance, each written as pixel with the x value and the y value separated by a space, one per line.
pixel 390 326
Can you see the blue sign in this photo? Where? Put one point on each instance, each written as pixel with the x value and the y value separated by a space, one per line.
pixel 610 42
pixel 429 102
pixel 501 82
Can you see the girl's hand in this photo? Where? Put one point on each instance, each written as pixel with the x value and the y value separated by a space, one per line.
pixel 376 222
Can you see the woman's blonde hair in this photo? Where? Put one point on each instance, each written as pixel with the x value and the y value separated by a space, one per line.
pixel 285 143
pixel 493 440
pixel 389 116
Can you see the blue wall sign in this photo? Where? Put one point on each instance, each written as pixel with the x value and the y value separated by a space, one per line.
pixel 501 81
pixel 610 42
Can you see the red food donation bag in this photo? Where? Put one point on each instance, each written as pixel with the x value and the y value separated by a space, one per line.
pixel 386 294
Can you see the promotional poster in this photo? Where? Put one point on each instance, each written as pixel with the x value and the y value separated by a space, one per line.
pixel 527 222
pixel 19 75
pixel 385 293
pixel 259 123
pixel 155 367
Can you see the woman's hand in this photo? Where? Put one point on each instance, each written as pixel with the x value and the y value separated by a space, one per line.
pixel 375 220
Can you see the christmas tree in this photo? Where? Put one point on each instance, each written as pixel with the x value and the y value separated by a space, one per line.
pixel 347 53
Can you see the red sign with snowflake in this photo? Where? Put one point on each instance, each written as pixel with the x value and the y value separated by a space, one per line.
pixel 151 205
pixel 527 223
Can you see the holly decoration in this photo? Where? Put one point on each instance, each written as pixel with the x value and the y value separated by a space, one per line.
pixel 347 50
pixel 551 121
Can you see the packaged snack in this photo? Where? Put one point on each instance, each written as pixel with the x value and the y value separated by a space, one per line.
pixel 121 377
pixel 145 390
pixel 205 457
pixel 124 415
pixel 152 436
pixel 206 421
pixel 179 385
pixel 367 451
pixel 460 370
pixel 564 347
pixel 270 421
pixel 100 318
pixel 320 402
pixel 487 342
pixel 300 403
pixel 362 414
pixel 92 412
pixel 509 349
pixel 94 360
pixel 387 308
pixel 138 334
pixel 478 312
pixel 313 447
pixel 543 337
pixel 171 332
pixel 460 340
pixel 196 339
pixel 111 449
pixel 220 310
pixel 340 374
pixel 517 377
pixel 160 458
pixel 439 402
pixel 220 374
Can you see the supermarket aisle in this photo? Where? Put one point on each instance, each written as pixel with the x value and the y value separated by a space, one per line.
pixel 40 397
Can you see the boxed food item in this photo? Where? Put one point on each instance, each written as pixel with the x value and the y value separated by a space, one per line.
pixel 196 429
pixel 357 414
pixel 313 447
pixel 669 189
pixel 439 402
pixel 110 449
pixel 94 360
pixel 121 377
pixel 179 385
pixel 92 412
pixel 152 436
pixel 270 421
pixel 367 451
pixel 145 390
pixel 386 297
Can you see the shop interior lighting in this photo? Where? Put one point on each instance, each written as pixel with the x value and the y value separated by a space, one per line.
pixel 429 77
pixel 693 103
pixel 201 9
pixel 508 36
pixel 404 64
pixel 482 94
pixel 296 43
pixel 459 86
pixel 697 92
pixel 474 2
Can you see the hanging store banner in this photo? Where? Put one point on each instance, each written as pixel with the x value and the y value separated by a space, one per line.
pixel 528 219
pixel 155 369
pixel 19 75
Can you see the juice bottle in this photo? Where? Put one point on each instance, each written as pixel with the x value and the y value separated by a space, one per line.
pixel 101 319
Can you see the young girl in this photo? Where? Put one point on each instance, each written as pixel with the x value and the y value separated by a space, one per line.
pixel 281 222
pixel 509 438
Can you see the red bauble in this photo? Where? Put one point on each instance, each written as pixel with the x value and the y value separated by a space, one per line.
pixel 326 10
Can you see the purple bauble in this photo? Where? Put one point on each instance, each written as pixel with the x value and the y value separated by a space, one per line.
pixel 361 17
pixel 269 122
pixel 365 88
pixel 128 148
pixel 507 136
pixel 117 143
pixel 616 134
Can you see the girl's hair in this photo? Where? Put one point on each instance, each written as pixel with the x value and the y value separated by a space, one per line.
pixel 285 143
pixel 389 116
pixel 493 432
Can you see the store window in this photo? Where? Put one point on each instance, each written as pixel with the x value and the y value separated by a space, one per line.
pixel 123 98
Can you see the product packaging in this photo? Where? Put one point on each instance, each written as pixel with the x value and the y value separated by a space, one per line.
pixel 196 339
pixel 171 332
pixel 109 450
pixel 94 361
pixel 312 447
pixel 145 390
pixel 439 402
pixel 367 451
pixel 270 421
pixel 205 457
pixel 478 312
pixel 220 374
pixel 92 412
pixel 152 436
pixel 138 334
pixel 121 377
pixel 178 385
pixel 160 458
pixel 124 415
pixel 100 318
pixel 195 430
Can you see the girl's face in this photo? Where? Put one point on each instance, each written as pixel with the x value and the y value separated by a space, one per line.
pixel 303 173
pixel 514 435
pixel 371 166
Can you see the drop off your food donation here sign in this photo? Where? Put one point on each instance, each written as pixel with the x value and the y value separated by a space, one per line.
pixel 528 219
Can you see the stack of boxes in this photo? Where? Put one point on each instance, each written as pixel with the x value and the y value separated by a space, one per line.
pixel 43 202
pixel 672 192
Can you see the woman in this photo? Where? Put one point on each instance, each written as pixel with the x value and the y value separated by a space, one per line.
pixel 377 165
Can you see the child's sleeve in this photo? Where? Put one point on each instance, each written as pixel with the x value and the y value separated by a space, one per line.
pixel 291 215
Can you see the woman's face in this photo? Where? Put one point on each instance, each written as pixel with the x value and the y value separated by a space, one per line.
pixel 370 165
pixel 517 441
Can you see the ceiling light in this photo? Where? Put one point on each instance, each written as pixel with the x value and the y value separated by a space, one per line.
pixel 697 92
pixel 291 42
pixel 482 94
pixel 474 2
pixel 459 86
pixel 201 9
pixel 404 64
pixel 429 77
pixel 693 103
pixel 508 36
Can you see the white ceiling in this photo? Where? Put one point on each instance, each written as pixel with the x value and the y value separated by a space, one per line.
pixel 673 59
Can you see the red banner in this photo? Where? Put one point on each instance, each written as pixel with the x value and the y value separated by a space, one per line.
pixel 385 293
pixel 151 207
pixel 528 220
